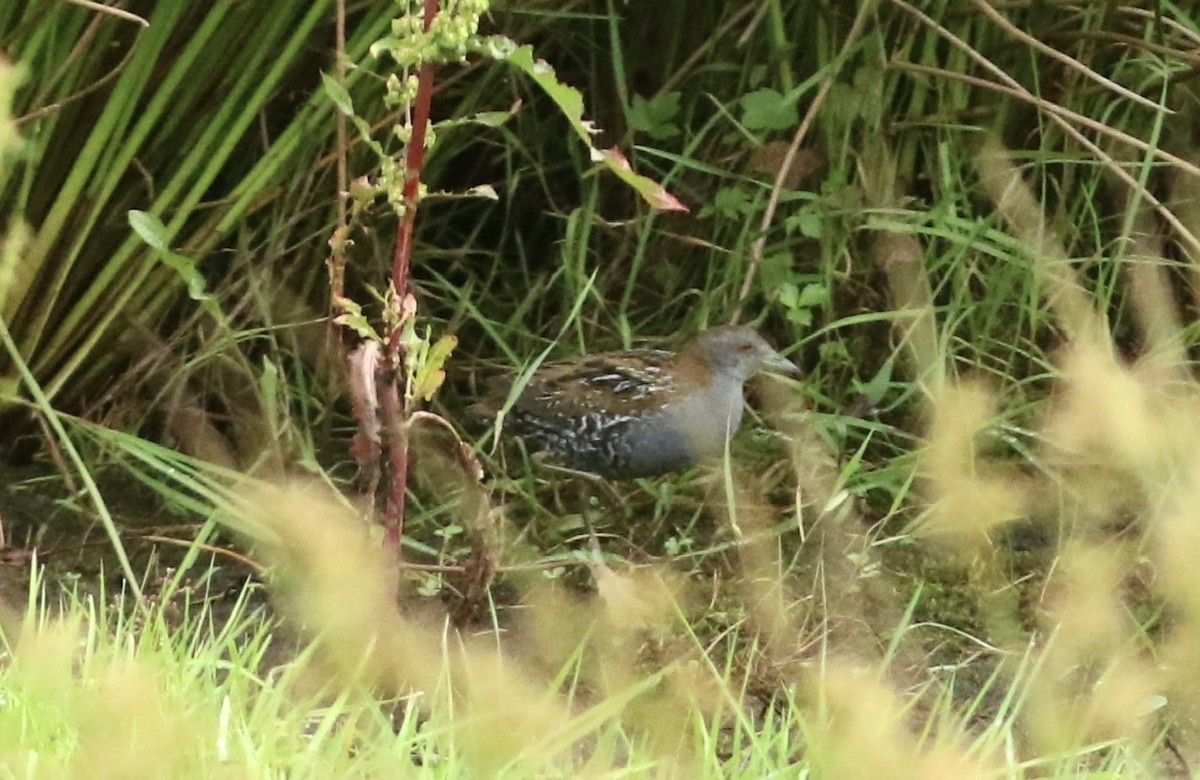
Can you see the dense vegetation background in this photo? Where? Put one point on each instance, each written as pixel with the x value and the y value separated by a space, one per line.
pixel 961 546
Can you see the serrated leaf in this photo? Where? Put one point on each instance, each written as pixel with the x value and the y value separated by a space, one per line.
pixel 351 317
pixel 801 317
pixel 787 293
pixel 813 295
pixel 731 202
pixel 570 104
pixel 491 118
pixel 431 372
pixel 655 116
pixel 766 109
pixel 777 270
pixel 808 221
pixel 496 118
pixel 347 305
pixel 358 324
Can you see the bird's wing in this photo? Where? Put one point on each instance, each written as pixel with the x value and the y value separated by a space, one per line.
pixel 620 384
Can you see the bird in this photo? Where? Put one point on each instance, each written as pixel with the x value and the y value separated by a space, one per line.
pixel 644 412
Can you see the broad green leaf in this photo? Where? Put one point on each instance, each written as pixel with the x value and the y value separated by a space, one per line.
pixel 655 116
pixel 808 221
pixel 813 295
pixel 731 202
pixel 766 109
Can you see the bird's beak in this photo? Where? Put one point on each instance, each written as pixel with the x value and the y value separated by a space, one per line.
pixel 778 364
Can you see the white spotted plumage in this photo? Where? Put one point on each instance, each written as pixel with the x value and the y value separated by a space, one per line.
pixel 641 412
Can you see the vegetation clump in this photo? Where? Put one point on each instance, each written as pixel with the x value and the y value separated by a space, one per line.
pixel 258 260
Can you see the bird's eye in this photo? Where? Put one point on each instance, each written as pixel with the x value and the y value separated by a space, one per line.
pixel 746 347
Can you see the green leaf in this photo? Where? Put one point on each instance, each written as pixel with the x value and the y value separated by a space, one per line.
pixel 766 109
pixel 152 231
pixel 186 268
pixel 352 317
pixel 342 101
pixel 732 202
pixel 485 118
pixel 807 220
pixel 877 386
pixel 655 116
pixel 385 46
pixel 869 86
pixel 801 317
pixel 337 93
pixel 800 301
pixel 812 295
pixel 777 269
pixel 149 228
pixel 651 191
pixel 431 371
pixel 442 350
pixel 570 104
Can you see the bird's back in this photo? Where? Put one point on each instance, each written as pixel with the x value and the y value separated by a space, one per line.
pixel 608 414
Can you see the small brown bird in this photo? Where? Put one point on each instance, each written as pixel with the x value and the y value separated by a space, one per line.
pixel 639 413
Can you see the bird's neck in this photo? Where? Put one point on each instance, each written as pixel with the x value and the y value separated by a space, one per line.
pixel 725 399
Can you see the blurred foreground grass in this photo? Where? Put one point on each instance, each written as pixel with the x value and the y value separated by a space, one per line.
pixel 823 678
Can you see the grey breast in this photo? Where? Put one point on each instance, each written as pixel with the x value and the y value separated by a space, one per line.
pixel 691 430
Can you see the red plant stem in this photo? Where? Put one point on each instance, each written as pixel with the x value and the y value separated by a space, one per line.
pixel 414 159
pixel 394 412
